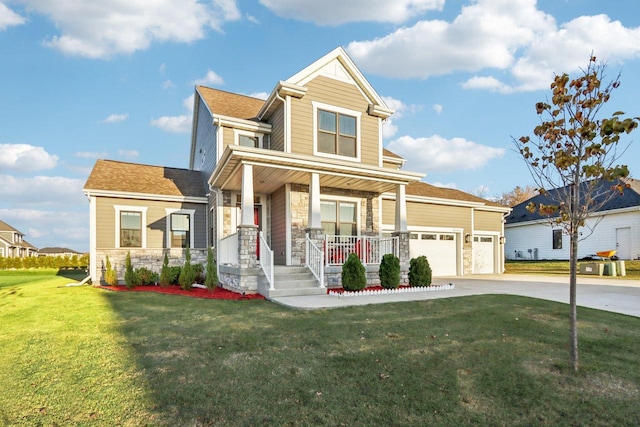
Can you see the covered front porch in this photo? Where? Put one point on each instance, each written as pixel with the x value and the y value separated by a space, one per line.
pixel 294 225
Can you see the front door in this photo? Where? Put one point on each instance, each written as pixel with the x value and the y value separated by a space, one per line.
pixel 623 242
pixel 257 220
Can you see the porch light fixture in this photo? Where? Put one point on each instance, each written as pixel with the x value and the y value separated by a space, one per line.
pixel 503 240
pixel 467 238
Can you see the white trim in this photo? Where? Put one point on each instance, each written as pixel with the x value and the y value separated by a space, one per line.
pixel 93 256
pixel 144 196
pixel 244 124
pixel 448 202
pixel 287 205
pixel 238 132
pixel 219 142
pixel 191 213
pixel 496 249
pixel 219 218
pixel 355 200
pixel 339 110
pixel 287 124
pixel 143 224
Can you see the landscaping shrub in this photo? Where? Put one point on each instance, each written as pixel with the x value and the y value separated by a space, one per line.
pixel 389 271
pixel 175 274
pixel 211 281
pixel 144 276
pixel 187 274
pixel 129 275
pixel 165 274
pixel 354 276
pixel 110 276
pixel 419 271
pixel 198 273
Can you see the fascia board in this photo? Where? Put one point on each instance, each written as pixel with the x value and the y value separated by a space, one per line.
pixel 143 196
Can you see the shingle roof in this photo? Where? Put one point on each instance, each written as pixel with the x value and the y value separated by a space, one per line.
pixel 388 153
pixel 230 104
pixel 423 189
pixel 6 227
pixel 57 250
pixel 629 198
pixel 110 175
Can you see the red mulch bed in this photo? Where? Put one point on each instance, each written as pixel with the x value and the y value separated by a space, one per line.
pixel 217 293
pixel 368 288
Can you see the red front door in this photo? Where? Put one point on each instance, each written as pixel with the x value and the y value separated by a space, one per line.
pixel 257 220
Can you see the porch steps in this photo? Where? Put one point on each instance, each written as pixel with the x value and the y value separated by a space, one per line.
pixel 292 281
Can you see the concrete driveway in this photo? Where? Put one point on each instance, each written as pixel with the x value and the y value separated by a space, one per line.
pixel 610 294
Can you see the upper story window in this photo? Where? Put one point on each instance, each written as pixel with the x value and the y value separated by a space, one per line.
pixel 131 230
pixel 248 139
pixel 336 132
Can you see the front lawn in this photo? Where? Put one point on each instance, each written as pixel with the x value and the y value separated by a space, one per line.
pixel 88 356
pixel 562 267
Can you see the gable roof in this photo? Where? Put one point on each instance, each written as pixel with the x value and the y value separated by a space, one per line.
pixel 422 189
pixel 230 104
pixel 6 227
pixel 629 198
pixel 122 177
pixel 57 250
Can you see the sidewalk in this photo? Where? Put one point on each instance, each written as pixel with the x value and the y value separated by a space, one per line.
pixel 609 294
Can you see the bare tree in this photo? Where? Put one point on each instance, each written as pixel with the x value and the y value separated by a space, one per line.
pixel 574 153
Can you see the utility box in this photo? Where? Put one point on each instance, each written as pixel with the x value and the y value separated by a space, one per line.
pixel 595 268
pixel 622 271
pixel 610 268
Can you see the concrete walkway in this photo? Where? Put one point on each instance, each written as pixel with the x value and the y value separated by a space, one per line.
pixel 611 294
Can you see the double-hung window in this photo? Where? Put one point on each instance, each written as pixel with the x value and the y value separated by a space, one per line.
pixel 337 133
pixel 130 229
pixel 180 230
pixel 557 239
pixel 339 217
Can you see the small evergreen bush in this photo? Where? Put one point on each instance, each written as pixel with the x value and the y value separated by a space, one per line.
pixel 144 276
pixel 165 273
pixel 211 281
pixel 187 274
pixel 419 271
pixel 198 273
pixel 110 276
pixel 175 274
pixel 389 271
pixel 354 276
pixel 129 275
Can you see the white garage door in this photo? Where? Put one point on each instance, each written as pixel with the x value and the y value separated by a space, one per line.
pixel 483 254
pixel 440 250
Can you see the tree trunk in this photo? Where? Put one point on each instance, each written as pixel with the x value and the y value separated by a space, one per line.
pixel 573 315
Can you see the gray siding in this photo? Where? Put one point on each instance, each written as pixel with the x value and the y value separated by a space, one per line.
pixel 206 142
pixel 278 225
pixel 277 129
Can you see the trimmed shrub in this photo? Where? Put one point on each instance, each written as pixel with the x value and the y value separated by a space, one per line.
pixel 198 273
pixel 175 274
pixel 211 281
pixel 354 276
pixel 129 275
pixel 419 271
pixel 187 274
pixel 144 276
pixel 110 276
pixel 389 271
pixel 165 273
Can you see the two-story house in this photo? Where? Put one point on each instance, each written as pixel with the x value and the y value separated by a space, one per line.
pixel 12 243
pixel 289 186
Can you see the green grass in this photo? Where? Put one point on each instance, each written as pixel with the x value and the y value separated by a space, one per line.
pixel 562 267
pixel 85 356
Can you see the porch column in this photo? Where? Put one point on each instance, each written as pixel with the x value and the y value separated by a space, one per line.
pixel 314 202
pixel 247 230
pixel 401 209
pixel 247 195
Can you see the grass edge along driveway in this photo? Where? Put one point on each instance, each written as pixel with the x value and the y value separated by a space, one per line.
pixel 85 356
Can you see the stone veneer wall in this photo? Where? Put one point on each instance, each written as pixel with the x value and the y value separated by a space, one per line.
pixel 467 259
pixel 147 258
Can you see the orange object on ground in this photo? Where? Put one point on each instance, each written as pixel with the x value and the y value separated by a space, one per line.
pixel 606 254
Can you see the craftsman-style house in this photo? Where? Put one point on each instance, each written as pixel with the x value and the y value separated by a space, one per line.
pixel 283 189
pixel 12 243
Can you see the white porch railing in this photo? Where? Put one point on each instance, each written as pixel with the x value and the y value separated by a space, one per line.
pixel 228 250
pixel 369 249
pixel 315 261
pixel 266 260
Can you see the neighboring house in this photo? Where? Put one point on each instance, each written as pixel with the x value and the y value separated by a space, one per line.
pixel 12 243
pixel 299 181
pixel 56 251
pixel 617 227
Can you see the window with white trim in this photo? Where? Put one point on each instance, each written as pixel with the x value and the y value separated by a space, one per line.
pixel 131 226
pixel 336 132
pixel 339 217
pixel 180 226
pixel 248 139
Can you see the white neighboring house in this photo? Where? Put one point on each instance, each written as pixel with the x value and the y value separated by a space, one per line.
pixel 529 236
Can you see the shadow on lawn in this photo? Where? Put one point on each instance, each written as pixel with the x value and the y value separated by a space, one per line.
pixel 73 274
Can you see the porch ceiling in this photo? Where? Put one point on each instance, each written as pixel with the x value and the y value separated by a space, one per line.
pixel 272 169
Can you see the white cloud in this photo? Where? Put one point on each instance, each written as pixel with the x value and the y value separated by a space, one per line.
pixel 389 130
pixel 92 155
pixel 188 102
pixel 511 38
pixel 210 79
pixel 445 184
pixel 174 124
pixel 128 154
pixel 167 84
pixel 336 12
pixel 9 18
pixel 437 108
pixel 252 19
pixel 25 158
pixel 438 154
pixel 101 29
pixel 38 190
pixel 259 95
pixel 116 118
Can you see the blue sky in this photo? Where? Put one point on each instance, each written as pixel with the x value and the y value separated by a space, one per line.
pixel 82 80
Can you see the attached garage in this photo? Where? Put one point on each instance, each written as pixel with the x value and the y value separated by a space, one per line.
pixel 441 250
